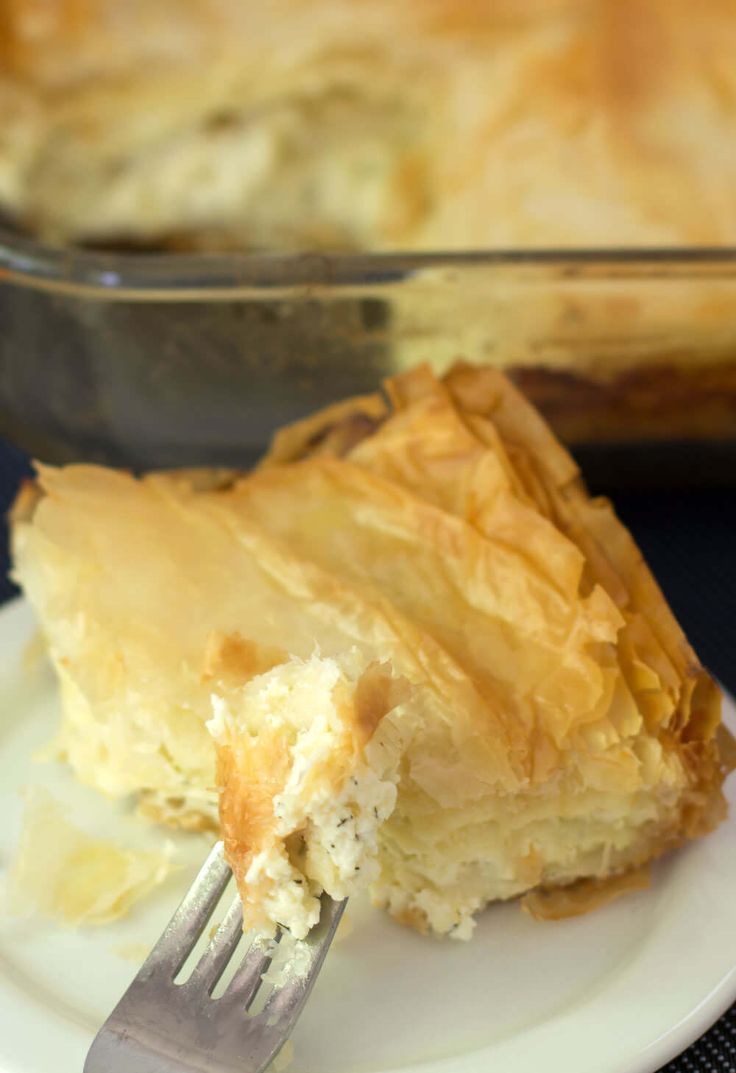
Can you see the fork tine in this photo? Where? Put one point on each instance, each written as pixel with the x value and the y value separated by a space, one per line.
pixel 247 979
pixel 159 1027
pixel 285 1003
pixel 211 965
pixel 192 916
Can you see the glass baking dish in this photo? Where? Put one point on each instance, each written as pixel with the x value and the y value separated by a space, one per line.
pixel 155 360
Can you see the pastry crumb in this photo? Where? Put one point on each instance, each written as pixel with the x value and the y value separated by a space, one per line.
pixel 63 874
pixel 345 929
pixel 134 952
pixel 284 1058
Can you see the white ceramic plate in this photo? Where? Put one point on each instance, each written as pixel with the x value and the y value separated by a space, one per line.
pixel 623 989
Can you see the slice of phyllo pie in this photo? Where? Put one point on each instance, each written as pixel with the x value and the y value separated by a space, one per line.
pixel 407 653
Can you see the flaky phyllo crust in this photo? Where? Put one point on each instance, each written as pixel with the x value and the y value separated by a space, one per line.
pixel 407 652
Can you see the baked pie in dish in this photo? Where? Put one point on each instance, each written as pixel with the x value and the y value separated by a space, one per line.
pixel 349 124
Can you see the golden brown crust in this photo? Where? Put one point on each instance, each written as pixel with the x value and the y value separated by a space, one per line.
pixel 557 489
pixel 332 430
pixel 25 502
pixel 249 780
pixel 559 903
pixel 726 747
pixel 377 692
pixel 234 660
pixel 686 701
pixel 606 543
pixel 412 918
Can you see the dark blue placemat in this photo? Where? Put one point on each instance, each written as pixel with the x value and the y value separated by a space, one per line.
pixel 14 466
pixel 688 540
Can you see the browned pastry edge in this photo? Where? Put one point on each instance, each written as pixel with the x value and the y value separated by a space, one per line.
pixel 705 744
pixel 558 903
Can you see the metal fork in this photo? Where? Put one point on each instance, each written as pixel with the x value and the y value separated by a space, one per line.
pixel 163 1027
